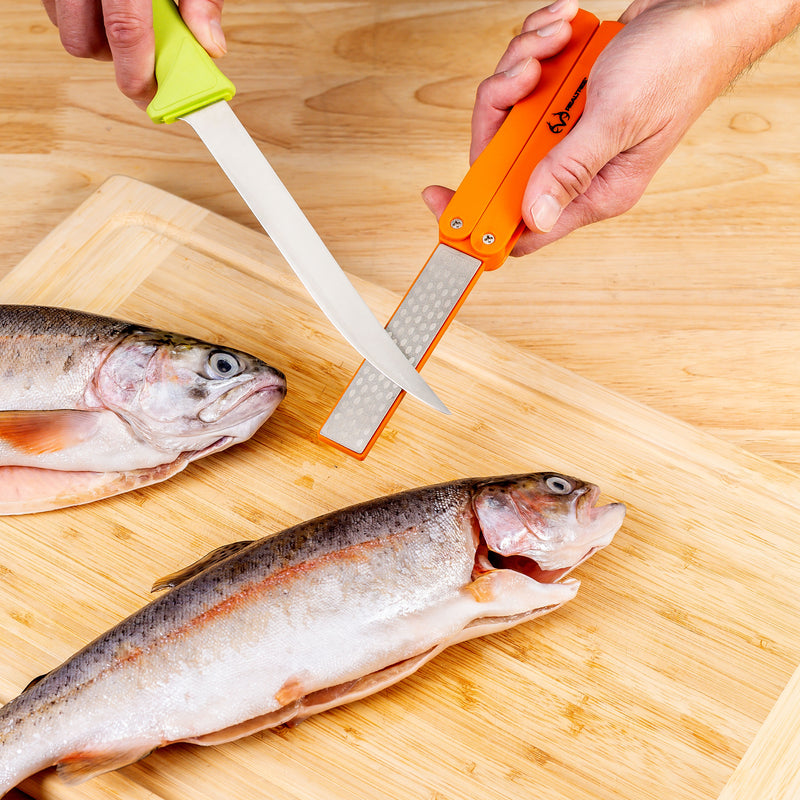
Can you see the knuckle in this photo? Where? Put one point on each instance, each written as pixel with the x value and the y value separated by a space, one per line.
pixel 623 184
pixel 138 93
pixel 484 92
pixel 517 49
pixel 573 177
pixel 137 89
pixel 622 200
pixel 124 30
pixel 489 97
pixel 90 45
pixel 610 198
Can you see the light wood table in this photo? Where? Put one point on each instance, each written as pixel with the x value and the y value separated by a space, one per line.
pixel 688 303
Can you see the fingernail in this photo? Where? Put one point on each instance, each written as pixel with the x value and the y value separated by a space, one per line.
pixel 545 212
pixel 554 8
pixel 549 30
pixel 217 36
pixel 518 68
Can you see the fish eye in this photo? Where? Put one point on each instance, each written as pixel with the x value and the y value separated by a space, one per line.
pixel 558 485
pixel 223 365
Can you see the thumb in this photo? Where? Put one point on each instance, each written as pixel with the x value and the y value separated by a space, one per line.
pixel 568 170
pixel 437 198
pixel 204 19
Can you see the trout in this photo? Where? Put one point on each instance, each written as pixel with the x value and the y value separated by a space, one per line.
pixel 266 632
pixel 92 406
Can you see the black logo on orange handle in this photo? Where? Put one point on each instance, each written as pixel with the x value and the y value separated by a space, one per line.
pixel 562 118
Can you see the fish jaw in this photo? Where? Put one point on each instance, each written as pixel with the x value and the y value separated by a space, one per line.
pixel 542 532
pixel 246 414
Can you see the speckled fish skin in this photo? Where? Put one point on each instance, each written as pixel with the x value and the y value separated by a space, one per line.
pixel 260 633
pixel 91 406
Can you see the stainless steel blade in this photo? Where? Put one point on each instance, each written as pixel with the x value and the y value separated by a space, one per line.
pixel 360 413
pixel 301 246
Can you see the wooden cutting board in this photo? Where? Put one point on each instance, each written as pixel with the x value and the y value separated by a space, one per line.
pixel 650 684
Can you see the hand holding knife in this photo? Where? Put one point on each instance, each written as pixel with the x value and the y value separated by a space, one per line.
pixel 192 88
pixel 477 230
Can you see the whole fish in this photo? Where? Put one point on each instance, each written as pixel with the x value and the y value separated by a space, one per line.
pixel 92 406
pixel 262 633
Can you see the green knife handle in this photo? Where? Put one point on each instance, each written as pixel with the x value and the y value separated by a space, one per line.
pixel 186 74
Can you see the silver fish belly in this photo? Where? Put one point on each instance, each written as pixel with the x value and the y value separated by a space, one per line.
pixel 261 633
pixel 92 406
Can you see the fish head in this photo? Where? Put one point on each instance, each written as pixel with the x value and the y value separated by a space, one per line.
pixel 183 394
pixel 543 524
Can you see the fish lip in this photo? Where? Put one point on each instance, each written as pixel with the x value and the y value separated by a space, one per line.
pixel 275 390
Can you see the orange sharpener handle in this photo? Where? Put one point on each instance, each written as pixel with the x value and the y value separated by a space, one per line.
pixel 484 216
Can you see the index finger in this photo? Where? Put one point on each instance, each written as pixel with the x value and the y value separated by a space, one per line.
pixel 129 30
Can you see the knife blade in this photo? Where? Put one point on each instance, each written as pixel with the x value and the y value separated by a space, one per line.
pixel 192 88
pixel 477 231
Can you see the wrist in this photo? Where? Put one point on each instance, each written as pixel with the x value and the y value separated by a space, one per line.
pixel 731 34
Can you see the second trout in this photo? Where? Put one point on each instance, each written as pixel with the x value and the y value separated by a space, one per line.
pixel 261 633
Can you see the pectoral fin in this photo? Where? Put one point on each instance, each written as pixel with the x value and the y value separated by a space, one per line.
pixel 80 767
pixel 38 432
pixel 182 575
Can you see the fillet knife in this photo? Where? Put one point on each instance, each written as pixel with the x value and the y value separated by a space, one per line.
pixel 192 88
pixel 477 230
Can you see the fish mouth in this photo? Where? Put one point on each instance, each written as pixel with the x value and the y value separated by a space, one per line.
pixel 599 523
pixel 486 560
pixel 244 402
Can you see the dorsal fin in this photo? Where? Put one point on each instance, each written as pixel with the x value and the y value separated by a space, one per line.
pixel 181 576
pixel 35 681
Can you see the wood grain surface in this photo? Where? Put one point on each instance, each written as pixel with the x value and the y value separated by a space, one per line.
pixel 688 303
pixel 641 687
